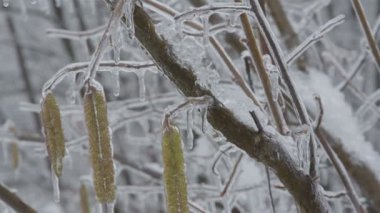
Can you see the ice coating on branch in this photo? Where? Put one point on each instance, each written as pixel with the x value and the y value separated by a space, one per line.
pixel 274 76
pixel 190 53
pixel 338 117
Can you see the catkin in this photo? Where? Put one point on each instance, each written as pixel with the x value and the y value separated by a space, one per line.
pixel 52 127
pixel 85 206
pixel 174 171
pixel 95 110
pixel 15 155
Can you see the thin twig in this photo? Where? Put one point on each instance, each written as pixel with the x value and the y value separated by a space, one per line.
pixel 123 66
pixel 75 35
pixel 232 176
pixel 217 46
pixel 313 38
pixel 215 8
pixel 338 165
pixel 96 57
pixel 277 54
pixel 263 74
pixel 367 30
pixel 270 189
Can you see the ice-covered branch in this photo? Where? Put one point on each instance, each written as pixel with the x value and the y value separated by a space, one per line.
pixel 97 56
pixel 107 66
pixel 75 35
pixel 211 8
pixel 238 130
pixel 313 38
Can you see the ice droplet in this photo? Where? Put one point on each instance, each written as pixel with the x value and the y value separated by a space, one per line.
pixel 5 3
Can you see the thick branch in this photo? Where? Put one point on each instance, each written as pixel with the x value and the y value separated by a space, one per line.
pixel 14 201
pixel 267 147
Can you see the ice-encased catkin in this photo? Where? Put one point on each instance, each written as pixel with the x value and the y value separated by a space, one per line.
pixel 174 171
pixel 53 132
pixel 95 111
pixel 84 203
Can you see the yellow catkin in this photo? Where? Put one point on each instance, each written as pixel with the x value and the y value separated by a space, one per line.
pixel 174 171
pixel 52 127
pixel 84 203
pixel 95 110
pixel 15 155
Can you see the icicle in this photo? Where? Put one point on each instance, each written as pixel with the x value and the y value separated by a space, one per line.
pixel 55 181
pixel 5 152
pixel 5 3
pixel 58 3
pixel 142 88
pixel 24 13
pixel 190 134
pixel 106 207
pixel 204 119
pixel 206 29
pixel 116 80
pixel 117 44
pixel 129 8
pixel 178 28
pixel 44 6
pixel 71 94
pixel 92 5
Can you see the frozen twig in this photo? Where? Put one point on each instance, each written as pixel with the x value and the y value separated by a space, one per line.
pixel 270 189
pixel 261 146
pixel 313 38
pixel 123 66
pixel 97 56
pixel 232 175
pixel 204 101
pixel 367 30
pixel 211 8
pixel 264 76
pixel 75 35
pixel 171 13
pixel 275 49
pixel 338 164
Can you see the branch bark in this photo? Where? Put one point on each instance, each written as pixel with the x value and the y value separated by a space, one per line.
pixel 14 201
pixel 266 146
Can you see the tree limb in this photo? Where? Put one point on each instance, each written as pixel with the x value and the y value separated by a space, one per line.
pixel 266 147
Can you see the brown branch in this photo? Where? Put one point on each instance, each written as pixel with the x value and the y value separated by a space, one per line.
pixel 263 147
pixel 286 29
pixel 14 201
pixel 367 30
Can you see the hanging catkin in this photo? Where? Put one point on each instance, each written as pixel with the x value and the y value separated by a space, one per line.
pixel 52 128
pixel 95 110
pixel 174 171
